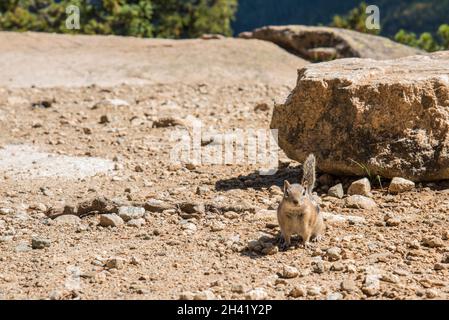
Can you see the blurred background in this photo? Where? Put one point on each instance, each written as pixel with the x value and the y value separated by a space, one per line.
pixel 418 23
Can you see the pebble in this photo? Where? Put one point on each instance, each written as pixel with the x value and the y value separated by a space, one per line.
pixel 238 288
pixel 314 291
pixel 360 187
pixel 115 263
pixel 348 285
pixel 23 247
pixel 360 202
pixel 336 191
pixel 289 272
pixel 371 285
pixel 297 292
pixel 338 266
pixel 110 220
pixel 40 243
pixel 6 211
pixel 399 185
pixel 130 213
pixel 202 190
pixel 334 296
pixel 204 295
pixel 318 267
pixel 333 254
pixel 187 295
pixel 257 294
pixel 433 242
pixel 67 220
pixel 189 226
pixel 157 206
pixel 231 215
pixel 136 223
pixel 217 226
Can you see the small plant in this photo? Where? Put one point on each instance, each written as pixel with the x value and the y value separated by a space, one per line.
pixel 371 178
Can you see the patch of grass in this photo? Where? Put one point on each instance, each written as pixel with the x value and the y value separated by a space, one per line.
pixel 373 179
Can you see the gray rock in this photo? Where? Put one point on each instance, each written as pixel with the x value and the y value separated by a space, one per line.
pixel 23 247
pixel 399 185
pixel 335 296
pixel 130 213
pixel 360 202
pixel 348 286
pixel 40 243
pixel 336 191
pixel 110 220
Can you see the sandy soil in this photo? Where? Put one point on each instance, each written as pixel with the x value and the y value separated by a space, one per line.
pixel 224 246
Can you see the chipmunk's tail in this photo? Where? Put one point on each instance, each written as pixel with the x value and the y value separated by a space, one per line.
pixel 309 175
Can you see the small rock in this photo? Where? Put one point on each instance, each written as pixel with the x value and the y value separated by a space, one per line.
pixel 338 266
pixel 431 294
pixel 256 294
pixel 275 191
pixel 186 295
pixel 238 288
pixel 104 119
pixel 371 285
pixel 333 254
pixel 336 191
pixel 314 291
pixel 136 223
pixel 6 211
pixel 130 213
pixel 360 202
pixel 115 263
pixel 202 190
pixel 192 208
pixel 439 266
pixel 360 187
pixel 335 296
pixel 40 243
pixel 191 227
pixel 262 107
pixel 289 272
pixel 318 267
pixel 67 220
pixel 297 292
pixel 348 285
pixel 204 295
pixel 231 215
pixel 110 220
pixel 23 247
pixel 157 206
pixel 393 222
pixel 399 185
pixel 217 226
pixel 445 258
pixel 433 242
pixel 390 278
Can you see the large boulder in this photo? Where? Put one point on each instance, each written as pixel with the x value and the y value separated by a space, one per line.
pixel 325 43
pixel 361 116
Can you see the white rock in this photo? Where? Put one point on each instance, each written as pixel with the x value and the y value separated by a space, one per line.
pixel 360 202
pixel 256 294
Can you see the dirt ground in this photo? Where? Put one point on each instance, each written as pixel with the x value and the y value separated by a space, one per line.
pixel 213 234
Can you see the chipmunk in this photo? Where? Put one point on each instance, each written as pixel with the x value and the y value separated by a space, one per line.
pixel 298 212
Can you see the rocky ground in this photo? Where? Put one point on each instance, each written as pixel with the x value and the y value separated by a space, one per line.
pixel 138 226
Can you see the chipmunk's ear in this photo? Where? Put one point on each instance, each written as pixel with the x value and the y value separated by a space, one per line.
pixel 286 186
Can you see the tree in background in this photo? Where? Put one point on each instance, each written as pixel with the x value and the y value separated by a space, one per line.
pixel 426 41
pixel 354 20
pixel 140 18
